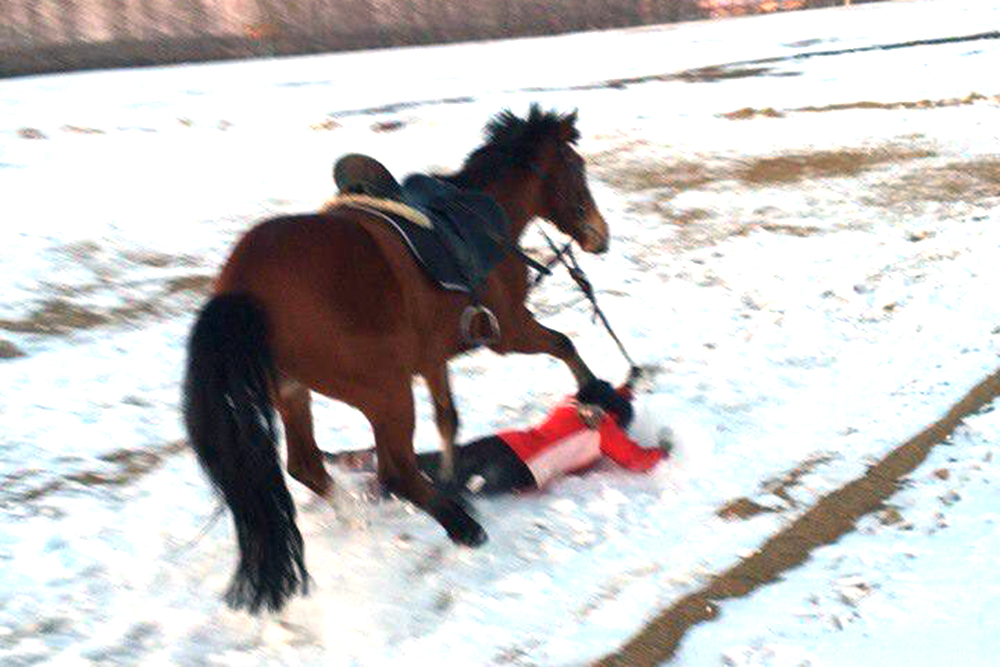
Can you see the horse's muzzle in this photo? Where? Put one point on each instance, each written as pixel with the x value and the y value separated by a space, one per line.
pixel 596 235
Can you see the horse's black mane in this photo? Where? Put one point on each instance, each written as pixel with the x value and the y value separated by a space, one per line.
pixel 513 142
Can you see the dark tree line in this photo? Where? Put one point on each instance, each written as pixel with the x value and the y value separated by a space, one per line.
pixel 48 35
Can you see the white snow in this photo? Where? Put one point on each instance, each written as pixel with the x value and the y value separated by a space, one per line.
pixel 841 339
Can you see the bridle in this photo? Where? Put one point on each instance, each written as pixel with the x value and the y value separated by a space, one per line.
pixel 566 257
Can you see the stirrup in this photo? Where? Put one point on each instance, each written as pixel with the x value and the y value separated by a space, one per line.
pixel 469 315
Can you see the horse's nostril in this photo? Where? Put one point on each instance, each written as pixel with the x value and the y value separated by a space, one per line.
pixel 601 240
pixel 594 234
pixel 595 242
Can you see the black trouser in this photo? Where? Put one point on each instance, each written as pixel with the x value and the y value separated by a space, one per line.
pixel 489 459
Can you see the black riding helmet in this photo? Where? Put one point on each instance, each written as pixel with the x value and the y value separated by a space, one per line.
pixel 602 394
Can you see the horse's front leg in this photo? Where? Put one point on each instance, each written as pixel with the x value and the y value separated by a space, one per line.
pixel 392 421
pixel 534 338
pixel 445 416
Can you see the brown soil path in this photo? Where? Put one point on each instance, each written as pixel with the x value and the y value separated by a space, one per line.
pixel 832 517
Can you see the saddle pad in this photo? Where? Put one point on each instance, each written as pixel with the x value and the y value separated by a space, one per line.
pixel 416 231
pixel 382 205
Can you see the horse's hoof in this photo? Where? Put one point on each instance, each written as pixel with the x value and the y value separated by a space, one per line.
pixel 472 536
pixel 461 528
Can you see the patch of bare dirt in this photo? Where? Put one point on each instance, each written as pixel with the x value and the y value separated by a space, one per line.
pixel 690 215
pixel 65 309
pixel 10 351
pixel 802 231
pixel 971 98
pixel 388 126
pixel 198 283
pixel 748 113
pixel 157 260
pixel 55 316
pixel 31 133
pixel 669 176
pixel 795 167
pixel 77 129
pixel 955 182
pixel 59 316
pixel 652 185
pixel 780 486
pixel 891 516
pixel 835 515
pixel 742 509
pixel 710 74
pixel 325 124
pixel 517 655
pixel 723 73
pixel 122 467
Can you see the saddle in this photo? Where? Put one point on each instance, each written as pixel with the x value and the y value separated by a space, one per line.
pixel 468 232
pixel 457 236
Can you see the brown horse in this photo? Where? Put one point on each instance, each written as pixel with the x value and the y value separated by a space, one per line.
pixel 335 303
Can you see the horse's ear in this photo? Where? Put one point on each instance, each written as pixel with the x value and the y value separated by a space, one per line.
pixel 567 127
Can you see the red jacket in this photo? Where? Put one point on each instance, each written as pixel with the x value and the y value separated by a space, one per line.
pixel 563 444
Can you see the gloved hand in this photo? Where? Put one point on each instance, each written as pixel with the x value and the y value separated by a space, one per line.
pixel 591 415
pixel 665 440
pixel 635 373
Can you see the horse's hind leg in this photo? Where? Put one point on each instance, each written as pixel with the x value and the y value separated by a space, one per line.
pixel 305 460
pixel 445 416
pixel 392 421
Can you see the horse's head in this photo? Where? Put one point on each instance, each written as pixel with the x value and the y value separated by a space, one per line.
pixel 548 180
pixel 566 201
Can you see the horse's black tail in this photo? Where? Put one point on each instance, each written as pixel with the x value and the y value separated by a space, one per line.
pixel 230 424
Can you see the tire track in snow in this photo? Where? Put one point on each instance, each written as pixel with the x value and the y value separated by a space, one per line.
pixel 835 515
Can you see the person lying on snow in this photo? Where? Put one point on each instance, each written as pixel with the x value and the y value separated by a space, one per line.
pixel 575 435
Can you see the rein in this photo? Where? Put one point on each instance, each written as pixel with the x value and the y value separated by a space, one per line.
pixel 566 257
pixel 562 256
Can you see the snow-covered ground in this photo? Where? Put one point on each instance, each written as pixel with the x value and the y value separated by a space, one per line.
pixel 817 286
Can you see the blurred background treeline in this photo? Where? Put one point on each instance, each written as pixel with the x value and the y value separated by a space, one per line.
pixel 61 35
